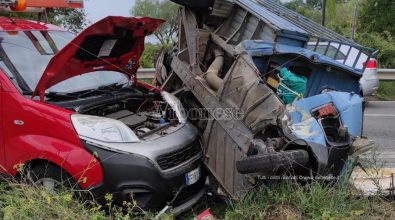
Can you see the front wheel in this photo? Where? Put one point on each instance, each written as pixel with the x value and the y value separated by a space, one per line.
pixel 52 178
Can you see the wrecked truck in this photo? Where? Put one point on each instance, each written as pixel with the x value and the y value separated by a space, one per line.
pixel 272 105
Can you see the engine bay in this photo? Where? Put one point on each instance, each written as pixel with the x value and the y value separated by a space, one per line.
pixel 144 117
pixel 145 113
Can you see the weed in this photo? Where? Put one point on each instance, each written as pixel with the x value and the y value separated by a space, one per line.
pixel 386 90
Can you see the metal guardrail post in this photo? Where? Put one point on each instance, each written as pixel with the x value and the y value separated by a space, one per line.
pixel 146 73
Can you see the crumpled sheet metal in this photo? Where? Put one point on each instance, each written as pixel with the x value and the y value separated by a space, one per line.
pixel 304 126
pixel 348 105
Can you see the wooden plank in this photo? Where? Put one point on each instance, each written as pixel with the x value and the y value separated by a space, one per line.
pixel 220 156
pixel 230 150
pixel 212 149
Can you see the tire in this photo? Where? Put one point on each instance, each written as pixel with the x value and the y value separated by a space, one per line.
pixel 51 177
pixel 272 162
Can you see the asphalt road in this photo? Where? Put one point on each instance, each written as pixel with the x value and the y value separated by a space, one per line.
pixel 379 125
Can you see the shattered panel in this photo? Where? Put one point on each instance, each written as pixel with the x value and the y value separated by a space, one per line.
pixel 245 91
pixel 221 156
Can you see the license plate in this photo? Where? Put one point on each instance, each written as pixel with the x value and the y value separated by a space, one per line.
pixel 192 177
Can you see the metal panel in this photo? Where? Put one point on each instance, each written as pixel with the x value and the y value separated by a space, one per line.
pixel 301 22
pixel 244 90
pixel 252 21
pixel 270 18
pixel 221 156
pixel 222 8
pixel 233 23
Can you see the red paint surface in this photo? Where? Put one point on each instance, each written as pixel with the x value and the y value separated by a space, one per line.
pixel 47 132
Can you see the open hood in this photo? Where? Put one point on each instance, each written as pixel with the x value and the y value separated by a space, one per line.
pixel 112 44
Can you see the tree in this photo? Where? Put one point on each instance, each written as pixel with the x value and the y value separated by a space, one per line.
pixel 376 29
pixel 377 16
pixel 338 13
pixel 315 4
pixel 150 52
pixel 163 9
pixel 73 20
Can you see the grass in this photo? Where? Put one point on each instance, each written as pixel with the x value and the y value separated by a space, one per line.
pixel 274 200
pixel 20 201
pixel 25 201
pixel 287 200
pixel 317 200
pixel 281 200
pixel 386 90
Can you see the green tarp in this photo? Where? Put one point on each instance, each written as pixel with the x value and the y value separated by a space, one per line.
pixel 292 86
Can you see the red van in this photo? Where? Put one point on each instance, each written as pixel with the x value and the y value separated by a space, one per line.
pixel 72 112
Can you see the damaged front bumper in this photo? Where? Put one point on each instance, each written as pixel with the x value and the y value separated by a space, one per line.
pixel 130 177
pixel 163 171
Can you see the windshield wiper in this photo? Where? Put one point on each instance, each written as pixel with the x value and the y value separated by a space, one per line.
pixel 92 92
pixel 52 94
pixel 115 86
pixel 106 89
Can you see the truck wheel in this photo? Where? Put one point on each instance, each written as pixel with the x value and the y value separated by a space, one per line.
pixel 273 161
pixel 52 178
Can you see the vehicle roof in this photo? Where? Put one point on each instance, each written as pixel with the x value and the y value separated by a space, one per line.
pixel 16 24
pixel 261 48
pixel 269 17
pixel 306 24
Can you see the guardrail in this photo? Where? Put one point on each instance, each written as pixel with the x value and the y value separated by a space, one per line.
pixel 146 73
pixel 384 74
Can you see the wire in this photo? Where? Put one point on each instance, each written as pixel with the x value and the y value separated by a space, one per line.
pixel 142 104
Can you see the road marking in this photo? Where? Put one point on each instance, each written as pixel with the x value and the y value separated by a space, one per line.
pixel 380 115
pixel 381 101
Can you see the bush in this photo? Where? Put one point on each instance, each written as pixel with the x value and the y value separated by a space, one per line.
pixel 149 54
pixel 384 43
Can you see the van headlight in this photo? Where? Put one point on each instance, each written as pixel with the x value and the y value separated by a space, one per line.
pixel 103 129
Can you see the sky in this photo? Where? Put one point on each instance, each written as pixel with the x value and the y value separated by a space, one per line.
pixel 98 9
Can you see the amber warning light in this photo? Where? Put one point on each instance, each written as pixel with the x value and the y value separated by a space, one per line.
pixel 35 5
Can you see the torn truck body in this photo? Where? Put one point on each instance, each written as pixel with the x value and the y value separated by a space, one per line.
pixel 230 57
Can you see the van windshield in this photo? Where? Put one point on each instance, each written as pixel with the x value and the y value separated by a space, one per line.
pixel 26 54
